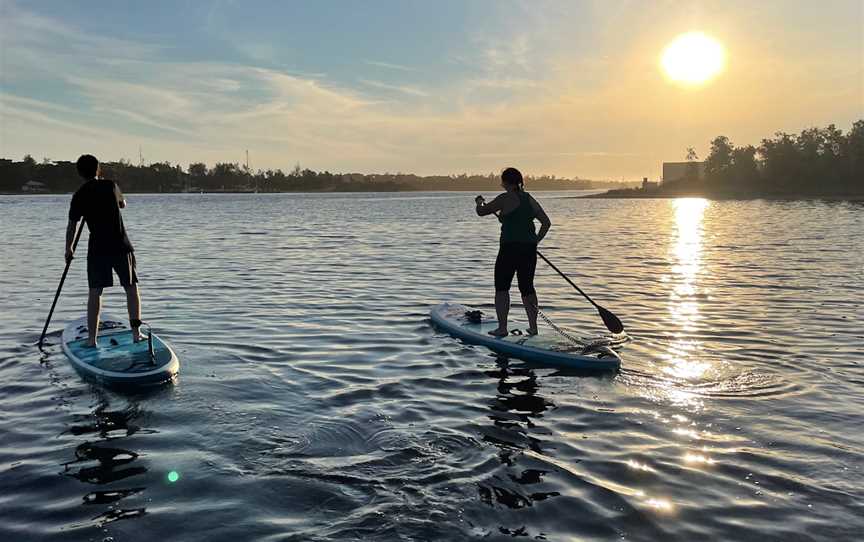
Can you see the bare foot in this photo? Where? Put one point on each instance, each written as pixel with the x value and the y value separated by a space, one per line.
pixel 499 332
pixel 136 336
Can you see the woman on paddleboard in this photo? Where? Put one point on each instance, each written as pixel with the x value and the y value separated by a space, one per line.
pixel 517 253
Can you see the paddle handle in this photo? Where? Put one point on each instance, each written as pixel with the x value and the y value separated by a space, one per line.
pixel 578 289
pixel 60 286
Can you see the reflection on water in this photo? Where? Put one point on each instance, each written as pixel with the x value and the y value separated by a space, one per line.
pixel 102 462
pixel 682 354
pixel 516 409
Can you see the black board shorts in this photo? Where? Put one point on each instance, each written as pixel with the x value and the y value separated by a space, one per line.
pixel 518 259
pixel 100 269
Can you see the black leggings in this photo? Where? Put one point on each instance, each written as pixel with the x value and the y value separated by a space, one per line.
pixel 519 259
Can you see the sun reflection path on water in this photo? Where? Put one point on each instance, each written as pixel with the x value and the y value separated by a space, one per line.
pixel 682 354
pixel 683 364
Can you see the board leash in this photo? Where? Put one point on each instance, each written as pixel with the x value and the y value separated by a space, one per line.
pixel 560 331
pixel 591 343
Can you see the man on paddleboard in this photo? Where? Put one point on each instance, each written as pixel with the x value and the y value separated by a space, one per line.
pixel 517 253
pixel 98 201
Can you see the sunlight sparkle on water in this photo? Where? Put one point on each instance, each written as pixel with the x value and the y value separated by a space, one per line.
pixel 686 432
pixel 686 369
pixel 698 458
pixel 639 466
pixel 682 354
pixel 689 213
pixel 662 505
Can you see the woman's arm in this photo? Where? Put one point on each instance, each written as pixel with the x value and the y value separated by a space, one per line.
pixel 484 208
pixel 501 203
pixel 540 215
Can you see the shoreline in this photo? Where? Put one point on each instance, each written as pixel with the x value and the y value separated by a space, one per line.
pixel 469 191
pixel 603 195
pixel 731 197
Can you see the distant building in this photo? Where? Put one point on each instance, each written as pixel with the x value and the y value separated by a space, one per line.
pixel 674 171
pixel 649 185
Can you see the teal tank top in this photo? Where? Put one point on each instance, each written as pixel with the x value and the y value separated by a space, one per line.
pixel 518 225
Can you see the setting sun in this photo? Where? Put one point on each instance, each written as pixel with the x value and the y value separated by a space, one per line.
pixel 693 58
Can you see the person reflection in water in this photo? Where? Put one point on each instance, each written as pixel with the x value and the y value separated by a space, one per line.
pixel 517 253
pixel 98 201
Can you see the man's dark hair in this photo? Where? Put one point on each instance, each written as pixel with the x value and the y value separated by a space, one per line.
pixel 512 176
pixel 87 166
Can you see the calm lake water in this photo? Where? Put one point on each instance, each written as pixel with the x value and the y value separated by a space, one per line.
pixel 315 402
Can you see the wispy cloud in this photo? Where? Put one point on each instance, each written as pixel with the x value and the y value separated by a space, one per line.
pixel 24 30
pixel 390 66
pixel 511 54
pixel 404 89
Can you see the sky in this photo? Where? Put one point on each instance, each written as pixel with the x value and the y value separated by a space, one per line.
pixel 567 88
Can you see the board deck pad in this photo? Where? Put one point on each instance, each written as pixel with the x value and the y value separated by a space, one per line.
pixel 548 348
pixel 117 358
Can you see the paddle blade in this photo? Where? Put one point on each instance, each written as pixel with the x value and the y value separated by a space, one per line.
pixel 612 322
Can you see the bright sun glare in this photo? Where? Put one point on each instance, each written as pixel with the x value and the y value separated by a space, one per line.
pixel 693 58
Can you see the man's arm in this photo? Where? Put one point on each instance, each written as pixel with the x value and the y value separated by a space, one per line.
pixel 121 201
pixel 76 213
pixel 70 238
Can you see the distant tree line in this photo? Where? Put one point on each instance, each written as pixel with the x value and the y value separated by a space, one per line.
pixel 816 162
pixel 48 176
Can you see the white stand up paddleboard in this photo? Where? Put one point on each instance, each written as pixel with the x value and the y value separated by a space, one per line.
pixel 117 359
pixel 548 349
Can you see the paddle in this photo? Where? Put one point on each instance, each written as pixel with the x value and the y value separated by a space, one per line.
pixel 60 286
pixel 613 323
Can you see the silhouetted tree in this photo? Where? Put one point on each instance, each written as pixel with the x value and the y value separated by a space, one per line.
pixel 743 173
pixel 719 160
pixel 691 155
pixel 691 175
pixel 780 161
pixel 197 170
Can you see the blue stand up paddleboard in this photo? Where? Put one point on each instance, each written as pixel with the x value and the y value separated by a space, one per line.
pixel 117 360
pixel 548 349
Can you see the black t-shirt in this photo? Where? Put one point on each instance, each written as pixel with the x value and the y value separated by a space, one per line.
pixel 98 201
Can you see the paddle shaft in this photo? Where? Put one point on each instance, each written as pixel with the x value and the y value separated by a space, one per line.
pixel 62 280
pixel 565 277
